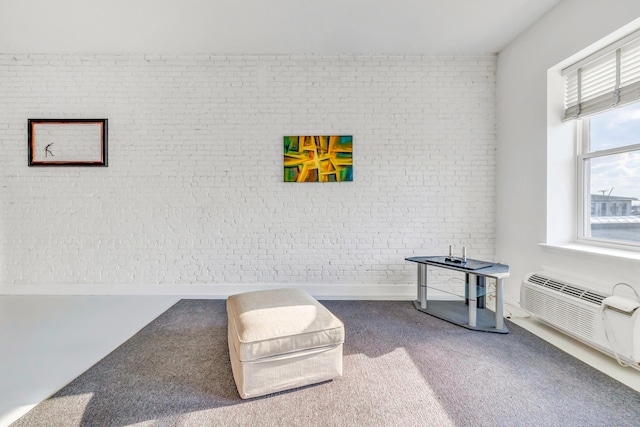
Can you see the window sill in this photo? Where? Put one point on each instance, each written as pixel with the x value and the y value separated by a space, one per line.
pixel 593 250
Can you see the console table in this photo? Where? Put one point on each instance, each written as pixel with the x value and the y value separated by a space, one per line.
pixel 471 313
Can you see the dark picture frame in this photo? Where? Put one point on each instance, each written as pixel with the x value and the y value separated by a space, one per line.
pixel 67 142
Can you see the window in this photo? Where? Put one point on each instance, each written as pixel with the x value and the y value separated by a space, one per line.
pixel 609 168
pixel 602 94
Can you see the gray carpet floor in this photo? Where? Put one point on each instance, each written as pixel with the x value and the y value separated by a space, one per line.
pixel 401 368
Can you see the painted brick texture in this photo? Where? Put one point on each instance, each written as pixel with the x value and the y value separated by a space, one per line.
pixel 194 191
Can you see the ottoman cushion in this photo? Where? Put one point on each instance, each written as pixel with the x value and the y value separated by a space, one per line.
pixel 281 339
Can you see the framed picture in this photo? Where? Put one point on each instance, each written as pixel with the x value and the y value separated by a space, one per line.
pixel 318 158
pixel 67 142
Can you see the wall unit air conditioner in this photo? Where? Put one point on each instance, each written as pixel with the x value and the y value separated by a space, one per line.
pixel 610 324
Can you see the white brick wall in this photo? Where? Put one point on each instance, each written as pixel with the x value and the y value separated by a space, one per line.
pixel 194 193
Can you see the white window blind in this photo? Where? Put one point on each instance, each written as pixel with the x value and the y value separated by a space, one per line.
pixel 607 79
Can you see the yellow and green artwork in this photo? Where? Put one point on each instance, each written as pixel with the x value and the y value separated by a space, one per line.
pixel 318 158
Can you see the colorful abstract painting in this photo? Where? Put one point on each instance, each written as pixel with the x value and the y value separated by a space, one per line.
pixel 318 158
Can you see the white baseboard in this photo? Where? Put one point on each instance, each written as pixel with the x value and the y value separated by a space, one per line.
pixel 220 291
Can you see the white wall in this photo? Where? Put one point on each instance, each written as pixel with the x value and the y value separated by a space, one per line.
pixel 194 195
pixel 524 138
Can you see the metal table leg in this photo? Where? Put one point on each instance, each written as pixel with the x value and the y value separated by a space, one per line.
pixel 473 283
pixel 422 285
pixel 481 292
pixel 499 304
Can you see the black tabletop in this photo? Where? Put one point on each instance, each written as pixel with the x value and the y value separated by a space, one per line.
pixel 473 266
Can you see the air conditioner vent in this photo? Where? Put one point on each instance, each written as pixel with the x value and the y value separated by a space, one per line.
pixel 538 280
pixel 567 289
pixel 593 297
pixel 552 284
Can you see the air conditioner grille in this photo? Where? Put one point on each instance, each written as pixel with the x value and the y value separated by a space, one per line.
pixel 574 291
pixel 571 317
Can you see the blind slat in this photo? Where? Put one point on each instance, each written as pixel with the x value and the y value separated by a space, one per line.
pixel 630 66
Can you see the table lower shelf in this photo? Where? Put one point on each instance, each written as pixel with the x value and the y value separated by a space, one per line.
pixel 457 312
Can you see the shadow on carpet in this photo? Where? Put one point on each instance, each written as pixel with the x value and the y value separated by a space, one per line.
pixel 401 368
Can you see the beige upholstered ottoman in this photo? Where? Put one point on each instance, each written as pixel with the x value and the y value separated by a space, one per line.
pixel 282 339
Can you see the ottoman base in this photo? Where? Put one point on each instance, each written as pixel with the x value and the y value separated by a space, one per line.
pixel 285 372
